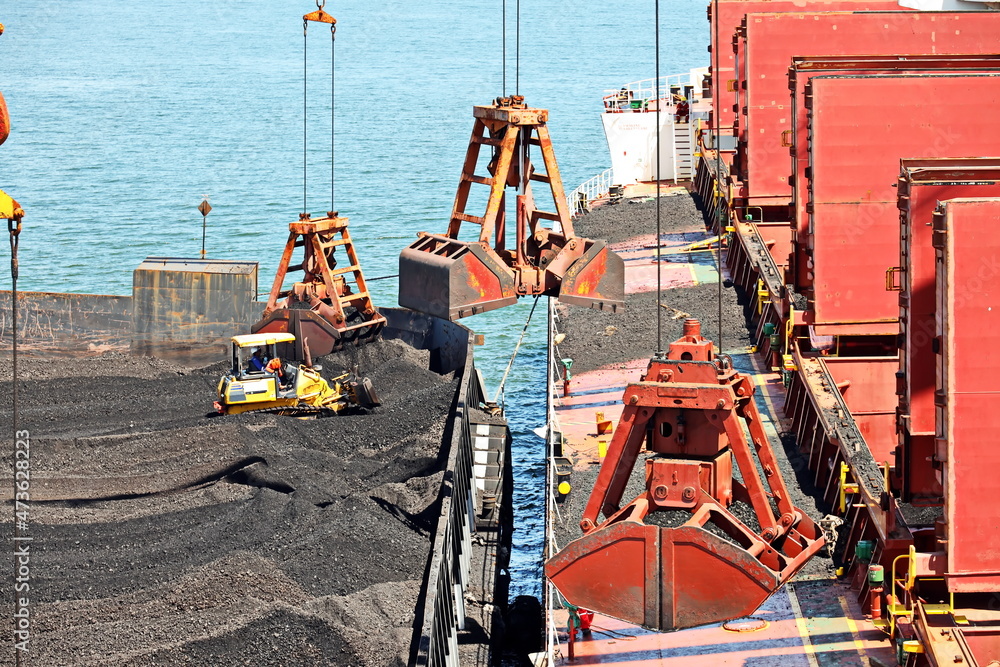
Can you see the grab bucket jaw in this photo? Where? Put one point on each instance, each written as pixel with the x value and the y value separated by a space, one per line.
pixel 595 280
pixel 674 578
pixel 682 554
pixel 451 279
pixel 4 120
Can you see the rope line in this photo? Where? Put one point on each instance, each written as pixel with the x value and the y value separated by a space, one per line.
pixel 503 47
pixel 517 347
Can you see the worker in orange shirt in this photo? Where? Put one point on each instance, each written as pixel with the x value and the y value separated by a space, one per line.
pixel 276 368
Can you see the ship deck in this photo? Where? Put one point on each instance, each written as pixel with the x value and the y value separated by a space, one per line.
pixel 814 620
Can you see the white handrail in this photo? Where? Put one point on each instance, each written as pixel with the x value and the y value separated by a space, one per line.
pixel 635 96
pixel 598 187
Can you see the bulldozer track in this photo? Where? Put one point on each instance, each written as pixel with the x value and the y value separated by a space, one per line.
pixel 293 411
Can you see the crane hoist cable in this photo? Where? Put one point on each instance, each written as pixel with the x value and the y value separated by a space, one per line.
pixel 517 47
pixel 717 141
pixel 319 16
pixel 14 215
pixel 14 229
pixel 659 239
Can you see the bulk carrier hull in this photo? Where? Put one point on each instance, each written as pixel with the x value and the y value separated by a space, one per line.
pixel 843 390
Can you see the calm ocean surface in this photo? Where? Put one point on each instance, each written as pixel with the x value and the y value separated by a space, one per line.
pixel 125 114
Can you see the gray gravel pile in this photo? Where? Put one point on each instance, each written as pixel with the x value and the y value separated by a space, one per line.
pixel 596 339
pixel 165 536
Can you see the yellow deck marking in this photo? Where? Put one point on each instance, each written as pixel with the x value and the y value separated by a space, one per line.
pixel 853 627
pixel 800 623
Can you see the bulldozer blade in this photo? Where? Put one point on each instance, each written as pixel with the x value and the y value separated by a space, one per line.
pixel 365 394
pixel 596 280
pixel 664 578
pixel 451 279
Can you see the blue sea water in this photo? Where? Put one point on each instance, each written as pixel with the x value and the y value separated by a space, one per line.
pixel 124 115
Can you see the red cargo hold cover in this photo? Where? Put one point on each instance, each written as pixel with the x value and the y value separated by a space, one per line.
pixel 771 40
pixel 799 75
pixel 731 13
pixel 922 184
pixel 968 323
pixel 859 128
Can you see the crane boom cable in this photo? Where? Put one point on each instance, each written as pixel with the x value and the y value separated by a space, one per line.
pixel 659 257
pixel 717 94
pixel 333 106
pixel 517 57
pixel 14 229
pixel 305 109
pixel 503 48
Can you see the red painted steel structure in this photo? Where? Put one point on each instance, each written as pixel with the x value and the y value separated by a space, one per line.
pixel 922 184
pixel 676 556
pixel 731 13
pixel 967 247
pixel 770 41
pixel 856 119
pixel 858 129
pixel 801 72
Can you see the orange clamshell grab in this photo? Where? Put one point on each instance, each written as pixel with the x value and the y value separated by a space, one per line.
pixel 4 120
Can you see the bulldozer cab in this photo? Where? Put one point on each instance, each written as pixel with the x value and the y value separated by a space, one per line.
pixel 252 352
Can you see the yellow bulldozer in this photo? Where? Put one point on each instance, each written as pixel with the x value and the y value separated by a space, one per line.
pixel 262 381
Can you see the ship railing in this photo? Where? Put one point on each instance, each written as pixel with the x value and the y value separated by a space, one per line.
pixel 553 600
pixel 635 96
pixel 442 614
pixel 582 198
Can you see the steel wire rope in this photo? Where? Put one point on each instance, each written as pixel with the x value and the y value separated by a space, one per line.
pixel 517 50
pixel 305 108
pixel 717 95
pixel 14 229
pixel 320 4
pixel 659 240
pixel 503 48
pixel 333 106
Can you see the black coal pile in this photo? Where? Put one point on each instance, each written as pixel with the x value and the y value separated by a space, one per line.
pixel 631 218
pixel 596 339
pixel 163 535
